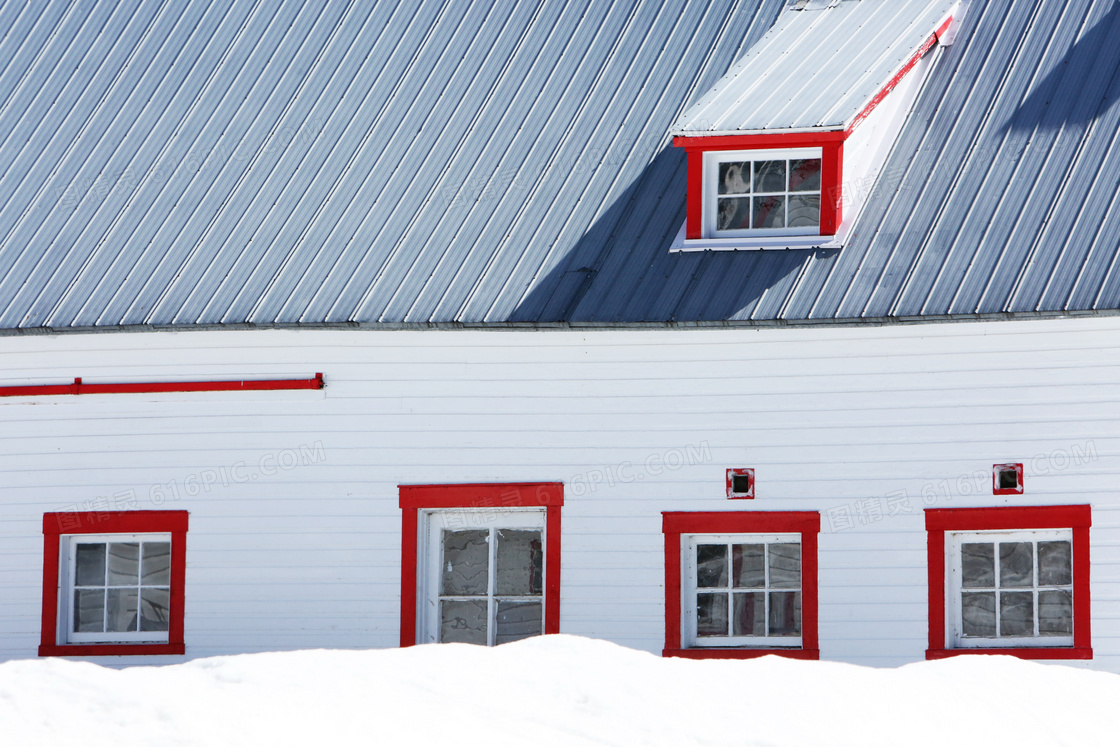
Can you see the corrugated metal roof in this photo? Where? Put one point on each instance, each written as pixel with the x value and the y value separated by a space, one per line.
pixel 817 68
pixel 306 162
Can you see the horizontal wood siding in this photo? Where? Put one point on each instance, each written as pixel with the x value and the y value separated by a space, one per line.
pixel 294 534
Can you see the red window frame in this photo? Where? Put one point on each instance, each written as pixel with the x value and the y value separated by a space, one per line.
pixel 677 523
pixel 413 498
pixel 57 525
pixel 832 170
pixel 942 520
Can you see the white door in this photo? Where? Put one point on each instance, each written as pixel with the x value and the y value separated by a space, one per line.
pixel 484 576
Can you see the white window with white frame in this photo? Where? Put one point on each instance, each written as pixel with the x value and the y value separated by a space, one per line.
pixel 1010 588
pixel 759 193
pixel 483 575
pixel 116 588
pixel 742 590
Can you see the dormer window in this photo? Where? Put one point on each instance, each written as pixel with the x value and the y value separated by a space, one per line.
pixel 763 193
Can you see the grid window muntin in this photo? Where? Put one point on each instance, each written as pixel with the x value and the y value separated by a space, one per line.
pixel 769 589
pixel 749 197
pixel 155 591
pixel 1054 591
pixel 511 603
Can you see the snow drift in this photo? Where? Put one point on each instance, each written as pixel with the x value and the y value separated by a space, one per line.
pixel 555 690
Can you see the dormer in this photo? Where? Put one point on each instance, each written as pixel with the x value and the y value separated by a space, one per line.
pixel 782 151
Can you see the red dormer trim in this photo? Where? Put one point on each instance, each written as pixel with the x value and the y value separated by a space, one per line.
pixel 832 170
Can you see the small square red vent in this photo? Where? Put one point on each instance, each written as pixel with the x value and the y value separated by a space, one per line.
pixel 1007 479
pixel 740 482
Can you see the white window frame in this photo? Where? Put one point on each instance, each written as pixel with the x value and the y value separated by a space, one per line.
pixel 953 587
pixel 689 590
pixel 712 161
pixel 431 559
pixel 68 550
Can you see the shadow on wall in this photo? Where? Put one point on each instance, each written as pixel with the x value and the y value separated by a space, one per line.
pixel 1080 87
pixel 621 269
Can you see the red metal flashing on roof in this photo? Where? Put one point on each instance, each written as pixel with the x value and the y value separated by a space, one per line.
pixel 41 390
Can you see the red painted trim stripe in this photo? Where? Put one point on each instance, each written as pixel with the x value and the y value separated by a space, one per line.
pixel 769 140
pixel 552 571
pixel 676 523
pixel 58 524
pixel 1079 518
pixel 927 45
pixel 43 390
pixel 694 195
pixel 409 540
pixel 482 495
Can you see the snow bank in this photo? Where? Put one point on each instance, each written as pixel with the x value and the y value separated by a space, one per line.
pixel 557 690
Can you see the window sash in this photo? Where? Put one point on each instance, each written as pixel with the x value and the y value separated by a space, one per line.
pixel 711 196
pixel 68 586
pixel 690 588
pixel 954 588
pixel 431 550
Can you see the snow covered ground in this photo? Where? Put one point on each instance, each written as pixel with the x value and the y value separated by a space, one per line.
pixel 557 690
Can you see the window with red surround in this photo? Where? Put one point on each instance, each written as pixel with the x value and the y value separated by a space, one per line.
pixel 113 583
pixel 740 483
pixel 480 563
pixel 741 584
pixel 1009 580
pixel 1007 479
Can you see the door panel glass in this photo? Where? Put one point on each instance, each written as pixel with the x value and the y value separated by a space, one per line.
pixel 466 563
pixel 520 563
pixel 517 620
pixel 463 621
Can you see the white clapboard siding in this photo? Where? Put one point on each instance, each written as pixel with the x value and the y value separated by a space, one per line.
pixel 633 422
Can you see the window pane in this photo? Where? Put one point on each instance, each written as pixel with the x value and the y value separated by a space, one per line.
pixel 124 564
pixel 155 568
pixel 978 613
pixel 90 561
pixel 466 563
pixel 785 565
pixel 769 176
pixel 1016 564
pixel 805 175
pixel 520 563
pixel 1016 613
pixel 1055 613
pixel 462 621
pixel 978 565
pixel 121 605
pixel 750 614
pixel 711 614
pixel 785 613
pixel 748 564
pixel 155 609
pixel 1055 564
pixel 735 178
pixel 89 610
pixel 769 212
pixel 734 212
pixel 711 566
pixel 804 211
pixel 517 620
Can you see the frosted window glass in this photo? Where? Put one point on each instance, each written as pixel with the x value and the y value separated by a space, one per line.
pixel 734 213
pixel 805 175
pixel 735 178
pixel 89 610
pixel 124 563
pixel 156 563
pixel 804 211
pixel 155 609
pixel 979 614
pixel 785 613
pixel 769 176
pixel 1016 564
pixel 750 614
pixel 785 565
pixel 520 562
pixel 978 564
pixel 711 566
pixel 1055 564
pixel 769 212
pixel 90 565
pixel 466 563
pixel 749 566
pixel 517 620
pixel 711 615
pixel 463 621
pixel 1055 613
pixel 1016 613
pixel 121 606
